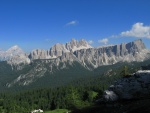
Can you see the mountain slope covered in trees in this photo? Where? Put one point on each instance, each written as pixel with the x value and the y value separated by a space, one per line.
pixel 75 94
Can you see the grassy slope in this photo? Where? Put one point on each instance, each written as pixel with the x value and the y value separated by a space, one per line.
pixel 57 111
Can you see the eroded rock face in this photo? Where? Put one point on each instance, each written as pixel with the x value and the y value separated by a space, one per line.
pixel 136 86
pixel 58 50
pixel 87 56
pixel 14 55
pixel 31 76
pixel 39 54
pixel 133 51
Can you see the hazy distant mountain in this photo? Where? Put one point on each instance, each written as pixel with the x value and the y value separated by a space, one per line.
pixel 14 55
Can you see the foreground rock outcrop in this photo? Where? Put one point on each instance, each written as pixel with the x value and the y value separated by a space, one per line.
pixel 133 87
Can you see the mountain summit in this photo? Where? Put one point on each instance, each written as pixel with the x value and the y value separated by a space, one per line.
pixel 15 50
pixel 58 49
pixel 14 55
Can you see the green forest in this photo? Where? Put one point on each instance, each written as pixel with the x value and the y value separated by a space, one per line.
pixel 72 96
pixel 77 94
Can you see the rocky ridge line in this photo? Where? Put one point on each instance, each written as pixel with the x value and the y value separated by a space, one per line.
pixel 81 52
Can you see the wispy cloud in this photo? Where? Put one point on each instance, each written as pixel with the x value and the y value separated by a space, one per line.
pixel 138 30
pixel 49 40
pixel 74 22
pixel 104 41
pixel 90 41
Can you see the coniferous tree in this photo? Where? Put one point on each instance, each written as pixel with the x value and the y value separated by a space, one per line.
pixel 125 71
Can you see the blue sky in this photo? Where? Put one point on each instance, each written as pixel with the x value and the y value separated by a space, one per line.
pixel 40 24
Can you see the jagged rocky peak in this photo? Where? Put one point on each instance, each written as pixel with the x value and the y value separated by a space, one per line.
pixel 19 59
pixel 15 50
pixel 17 56
pixel 74 43
pixel 135 46
pixel 95 57
pixel 81 51
pixel 133 51
pixel 58 49
pixel 15 47
pixel 14 55
pixel 77 45
pixel 84 43
pixel 139 43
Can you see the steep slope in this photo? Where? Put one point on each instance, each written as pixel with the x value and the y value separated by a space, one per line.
pixel 40 74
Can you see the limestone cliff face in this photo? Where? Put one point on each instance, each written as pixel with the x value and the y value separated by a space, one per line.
pixel 82 52
pixel 58 49
pixel 38 54
pixel 133 51
pixel 136 86
pixel 77 45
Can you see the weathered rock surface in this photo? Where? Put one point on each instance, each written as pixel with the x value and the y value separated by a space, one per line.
pixel 133 51
pixel 136 86
pixel 82 52
pixel 39 54
pixel 58 49
pixel 29 77
pixel 15 55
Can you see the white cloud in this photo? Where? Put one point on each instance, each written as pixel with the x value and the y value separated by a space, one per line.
pixel 104 41
pixel 138 30
pixel 90 42
pixel 74 22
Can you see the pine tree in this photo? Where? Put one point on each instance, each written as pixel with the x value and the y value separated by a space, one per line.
pixel 125 71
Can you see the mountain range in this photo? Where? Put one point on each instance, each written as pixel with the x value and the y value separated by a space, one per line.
pixel 80 51
pixel 63 56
